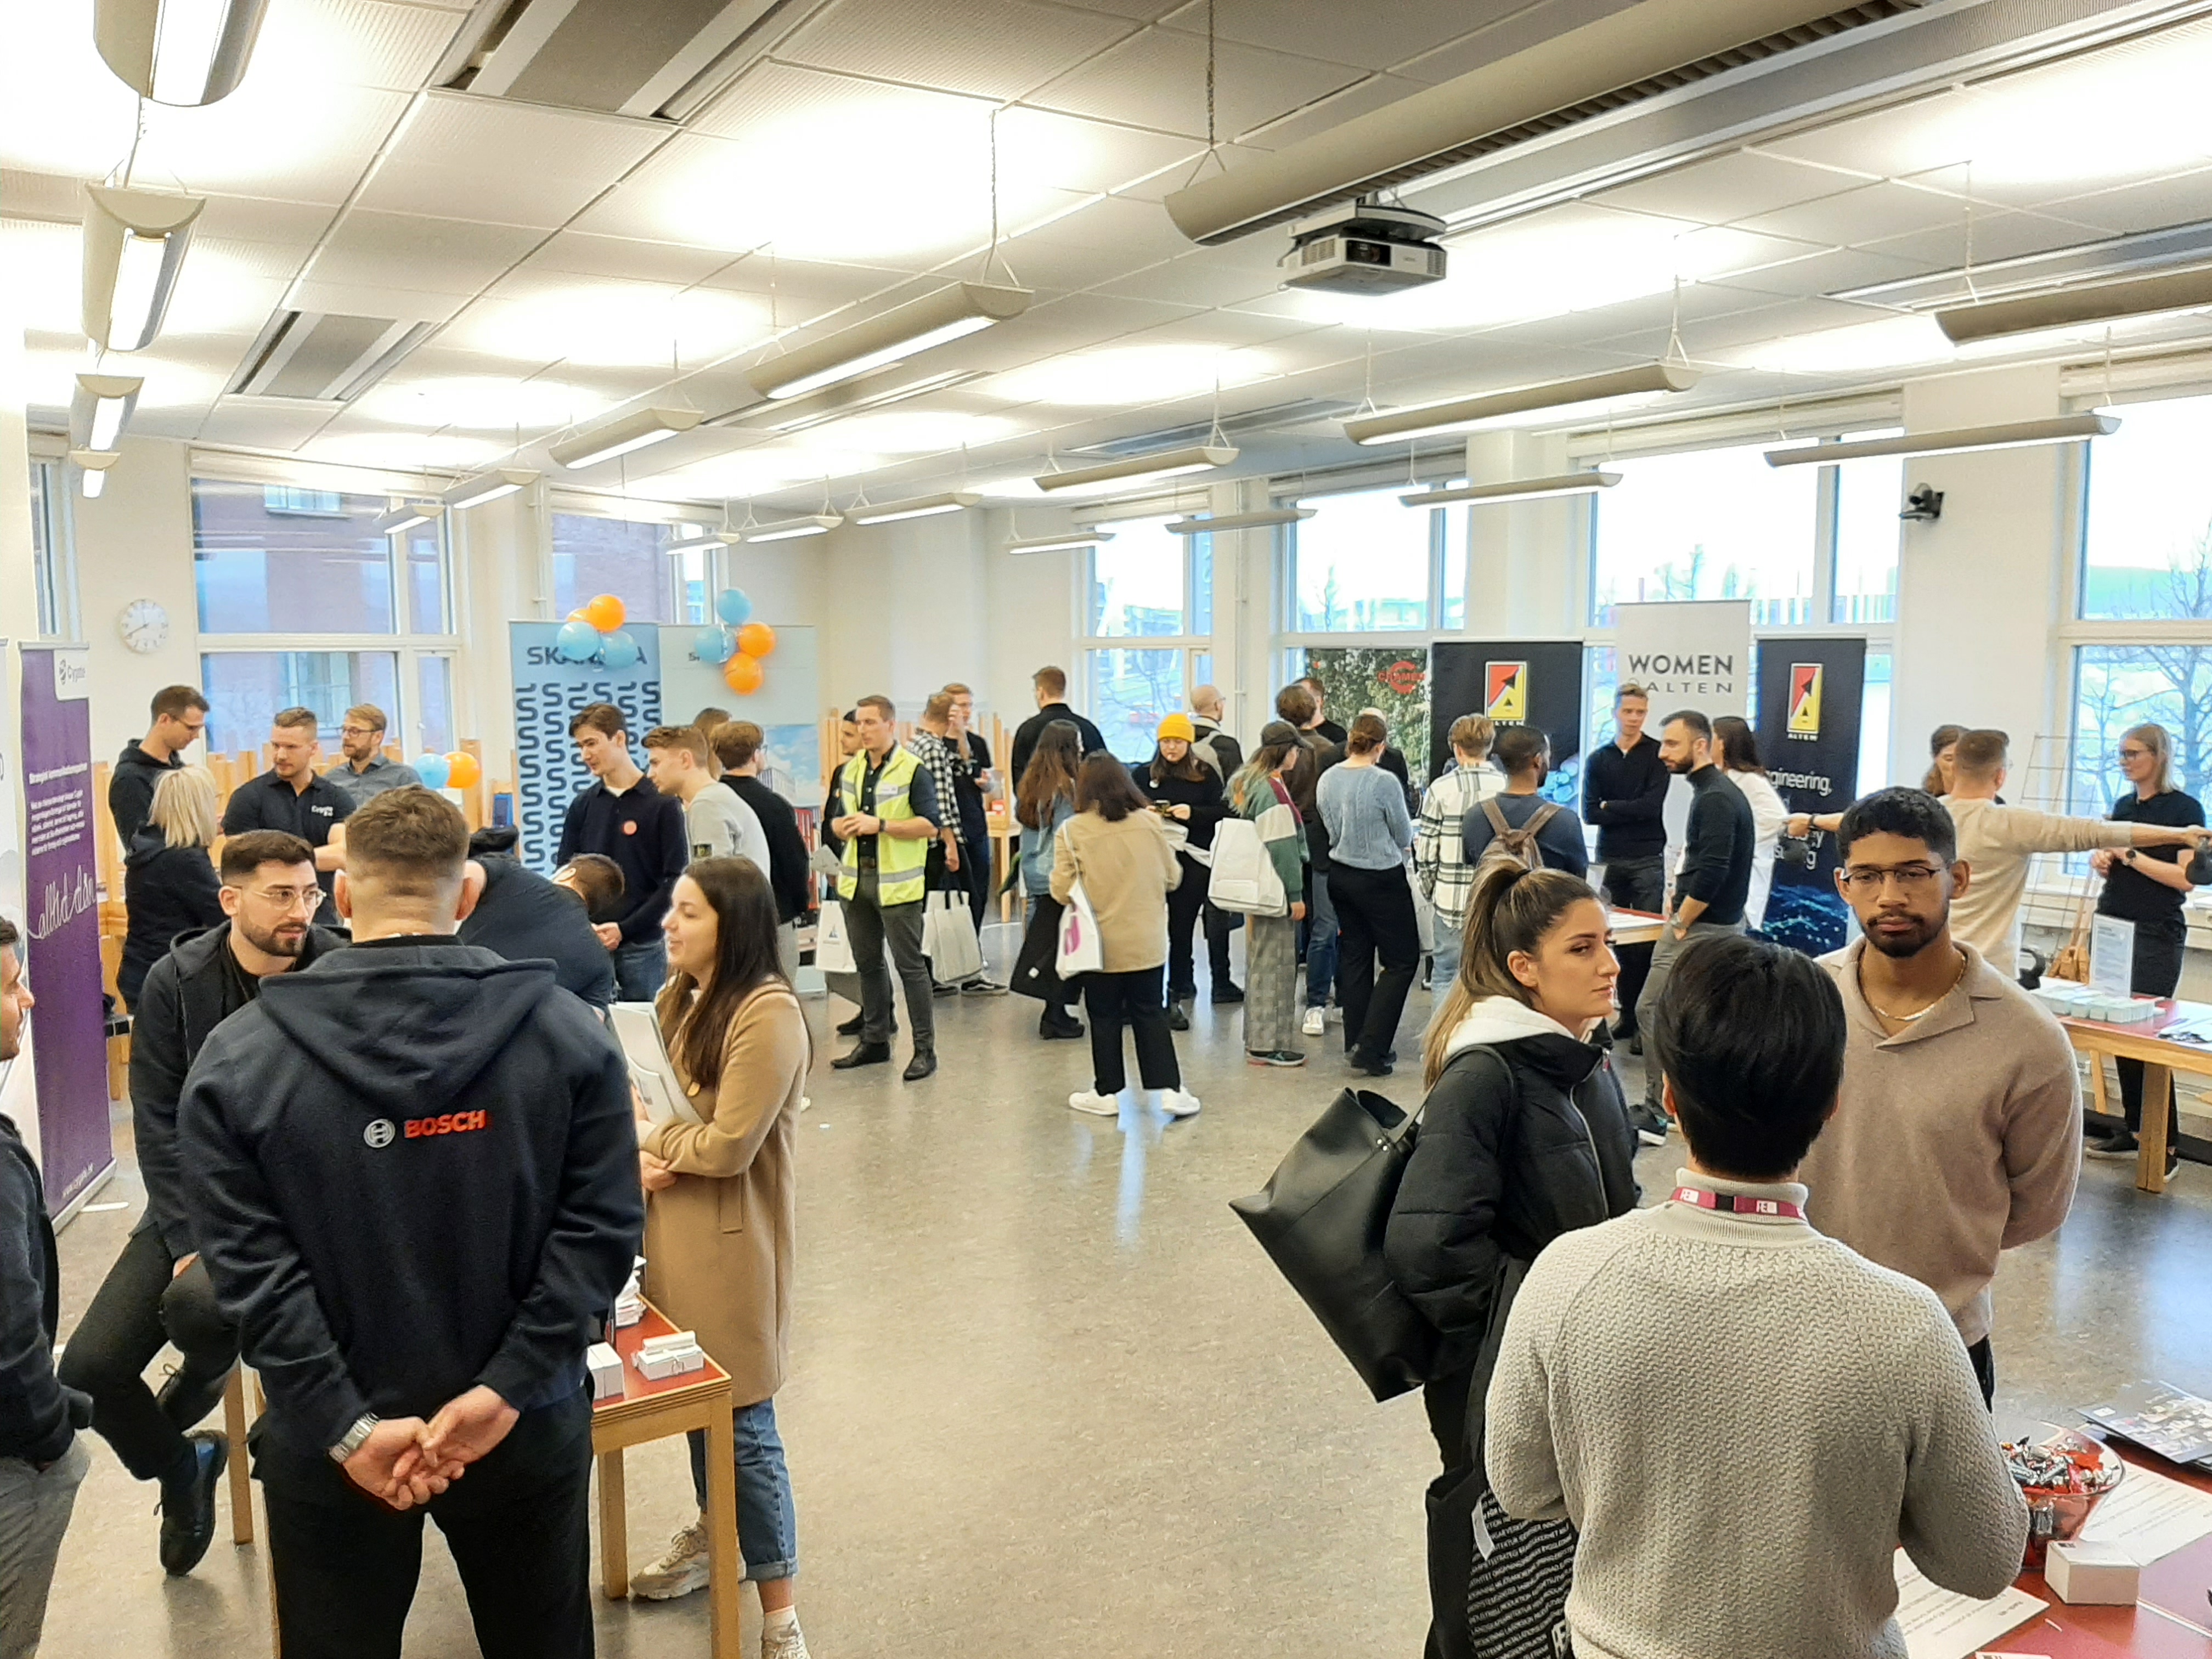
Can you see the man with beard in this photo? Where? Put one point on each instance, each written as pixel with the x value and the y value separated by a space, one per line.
pixel 362 771
pixel 158 1291
pixel 1958 1133
pixel 292 797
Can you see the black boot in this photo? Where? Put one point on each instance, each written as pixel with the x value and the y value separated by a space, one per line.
pixel 186 1400
pixel 923 1063
pixel 1179 1015
pixel 188 1502
pixel 852 1027
pixel 862 1053
pixel 1059 1023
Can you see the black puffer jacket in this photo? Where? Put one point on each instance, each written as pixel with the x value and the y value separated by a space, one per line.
pixel 1207 804
pixel 1524 1137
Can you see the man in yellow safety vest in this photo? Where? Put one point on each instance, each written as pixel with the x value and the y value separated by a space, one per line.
pixel 887 814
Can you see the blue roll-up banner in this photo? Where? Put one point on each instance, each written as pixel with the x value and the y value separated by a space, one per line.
pixel 1810 693
pixel 548 692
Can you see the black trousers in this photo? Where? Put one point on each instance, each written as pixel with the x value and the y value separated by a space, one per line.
pixel 2157 973
pixel 1634 885
pixel 516 1523
pixel 975 870
pixel 1374 918
pixel 1985 1370
pixel 1130 999
pixel 139 1307
pixel 1186 904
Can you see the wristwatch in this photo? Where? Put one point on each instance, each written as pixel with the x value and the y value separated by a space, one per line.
pixel 356 1438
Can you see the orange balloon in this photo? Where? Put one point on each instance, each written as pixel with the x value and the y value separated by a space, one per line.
pixel 465 770
pixel 580 615
pixel 756 638
pixel 605 613
pixel 744 675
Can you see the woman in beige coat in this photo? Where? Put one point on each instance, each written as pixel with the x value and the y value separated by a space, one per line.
pixel 720 1207
pixel 1115 848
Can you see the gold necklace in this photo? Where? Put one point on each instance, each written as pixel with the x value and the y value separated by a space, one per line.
pixel 1921 1014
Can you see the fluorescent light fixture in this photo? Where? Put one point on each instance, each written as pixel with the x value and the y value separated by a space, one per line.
pixel 2007 434
pixel 786 530
pixel 959 309
pixel 835 403
pixel 1165 464
pixel 1073 541
pixel 605 440
pixel 101 407
pixel 134 246
pixel 185 52
pixel 921 507
pixel 2091 302
pixel 91 466
pixel 1261 520
pixel 1515 489
pixel 1400 425
pixel 487 487
pixel 407 515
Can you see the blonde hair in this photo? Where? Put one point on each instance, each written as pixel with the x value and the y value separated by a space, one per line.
pixel 184 807
pixel 1472 734
pixel 1510 909
pixel 2160 741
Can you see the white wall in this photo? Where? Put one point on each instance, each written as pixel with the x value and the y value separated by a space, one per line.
pixel 134 542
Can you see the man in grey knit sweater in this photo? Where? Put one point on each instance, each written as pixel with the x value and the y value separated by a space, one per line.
pixel 1744 1418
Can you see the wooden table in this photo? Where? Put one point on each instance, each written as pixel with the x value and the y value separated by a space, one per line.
pixel 650 1411
pixel 2161 1057
pixel 1635 927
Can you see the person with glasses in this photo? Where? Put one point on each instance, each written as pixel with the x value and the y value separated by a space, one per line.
pixel 157 1292
pixel 1957 1134
pixel 362 771
pixel 292 798
pixel 179 718
pixel 2146 885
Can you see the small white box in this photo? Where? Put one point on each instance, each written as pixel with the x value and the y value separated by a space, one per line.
pixel 2092 1575
pixel 670 1362
pixel 629 1310
pixel 669 1339
pixel 606 1371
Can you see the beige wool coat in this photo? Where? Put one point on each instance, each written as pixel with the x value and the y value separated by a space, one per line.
pixel 719 1244
pixel 1125 870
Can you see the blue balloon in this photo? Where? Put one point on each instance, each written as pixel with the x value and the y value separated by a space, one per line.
pixel 712 644
pixel 731 605
pixel 433 770
pixel 576 642
pixel 618 650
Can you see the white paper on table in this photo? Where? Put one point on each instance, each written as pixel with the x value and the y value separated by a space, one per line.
pixel 2112 956
pixel 2149 1516
pixel 1940 1624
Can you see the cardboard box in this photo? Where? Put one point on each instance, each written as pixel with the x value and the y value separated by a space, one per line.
pixel 670 1362
pixel 606 1371
pixel 2092 1575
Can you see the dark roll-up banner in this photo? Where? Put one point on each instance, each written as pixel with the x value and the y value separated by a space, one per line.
pixel 1809 697
pixel 1536 682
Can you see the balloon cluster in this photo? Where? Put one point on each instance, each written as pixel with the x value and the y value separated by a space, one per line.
pixel 457 770
pixel 737 643
pixel 594 633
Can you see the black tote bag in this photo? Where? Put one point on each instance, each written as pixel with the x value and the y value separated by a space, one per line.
pixel 1322 1219
pixel 1036 965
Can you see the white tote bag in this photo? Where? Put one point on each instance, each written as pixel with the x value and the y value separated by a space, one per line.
pixel 1079 952
pixel 948 938
pixel 833 950
pixel 1243 879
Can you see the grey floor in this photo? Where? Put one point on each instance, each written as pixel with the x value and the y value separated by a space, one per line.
pixel 1048 1399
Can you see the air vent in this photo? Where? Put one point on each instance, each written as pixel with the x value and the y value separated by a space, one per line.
pixel 2140 253
pixel 320 357
pixel 1278 418
pixel 615 56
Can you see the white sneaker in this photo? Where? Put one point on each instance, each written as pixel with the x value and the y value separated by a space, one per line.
pixel 1335 1015
pixel 680 1571
pixel 789 1642
pixel 1098 1105
pixel 1178 1103
pixel 1316 1023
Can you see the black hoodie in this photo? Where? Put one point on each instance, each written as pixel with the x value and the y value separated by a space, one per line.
pixel 168 891
pixel 131 788
pixel 415 1171
pixel 39 1417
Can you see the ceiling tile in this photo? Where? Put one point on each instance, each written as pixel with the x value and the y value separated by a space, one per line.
pixel 1158 79
pixel 46 267
pixel 579 254
pixel 1498 28
pixel 803 288
pixel 1192 280
pixel 362 43
pixel 262 422
pixel 1730 188
pixel 2183 199
pixel 1827 273
pixel 485 159
pixel 41 196
pixel 330 134
pixel 405 251
pixel 1067 151
pixel 1853 218
pixel 1996 236
pixel 1373 37
pixel 994 48
pixel 363 299
pixel 1318 116
pixel 252 219
pixel 539 317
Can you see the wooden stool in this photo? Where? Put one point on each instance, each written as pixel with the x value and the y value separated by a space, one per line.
pixel 233 1427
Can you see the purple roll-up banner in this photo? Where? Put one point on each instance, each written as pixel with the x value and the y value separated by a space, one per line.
pixel 61 896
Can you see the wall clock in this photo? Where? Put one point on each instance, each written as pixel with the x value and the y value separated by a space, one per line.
pixel 144 626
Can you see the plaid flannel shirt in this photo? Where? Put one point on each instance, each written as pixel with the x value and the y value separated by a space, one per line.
pixel 1439 839
pixel 943 764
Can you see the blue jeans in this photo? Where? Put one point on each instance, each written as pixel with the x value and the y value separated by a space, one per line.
pixel 1321 943
pixel 1444 959
pixel 641 969
pixel 767 1528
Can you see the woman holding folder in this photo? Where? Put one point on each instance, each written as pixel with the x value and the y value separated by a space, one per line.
pixel 720 1212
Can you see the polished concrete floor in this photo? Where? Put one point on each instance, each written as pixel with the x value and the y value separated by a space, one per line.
pixel 1048 1399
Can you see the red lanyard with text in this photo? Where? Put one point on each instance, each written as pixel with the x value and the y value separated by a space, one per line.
pixel 1739 1203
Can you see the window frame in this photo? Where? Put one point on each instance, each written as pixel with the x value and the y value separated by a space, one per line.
pixel 1193 648
pixel 53 550
pixel 624 510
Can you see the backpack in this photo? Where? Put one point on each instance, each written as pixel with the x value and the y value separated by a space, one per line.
pixel 1244 879
pixel 1516 847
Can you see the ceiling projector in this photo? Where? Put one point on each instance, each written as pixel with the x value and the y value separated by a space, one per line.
pixel 1364 247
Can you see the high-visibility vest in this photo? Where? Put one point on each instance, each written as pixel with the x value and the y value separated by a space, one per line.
pixel 899 864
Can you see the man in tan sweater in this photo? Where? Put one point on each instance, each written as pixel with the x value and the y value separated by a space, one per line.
pixel 1958 1133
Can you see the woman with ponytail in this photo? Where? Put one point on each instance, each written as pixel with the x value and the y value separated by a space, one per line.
pixel 1524 1134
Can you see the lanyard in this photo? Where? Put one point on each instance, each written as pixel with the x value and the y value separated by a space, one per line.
pixel 1739 1204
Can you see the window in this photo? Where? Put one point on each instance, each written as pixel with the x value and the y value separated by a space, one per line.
pixel 434 725
pixel 426 579
pixel 639 562
pixel 1873 722
pixel 1868 496
pixel 1137 583
pixel 1364 563
pixel 2118 686
pixel 295 501
pixel 2147 526
pixel 281 571
pixel 1714 523
pixel 245 690
pixel 53 552
pixel 1148 585
pixel 1131 692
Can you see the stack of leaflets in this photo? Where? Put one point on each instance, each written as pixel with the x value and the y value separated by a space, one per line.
pixel 2159 1418
pixel 679 1351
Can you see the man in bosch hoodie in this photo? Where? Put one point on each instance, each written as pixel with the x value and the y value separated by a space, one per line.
pixel 417 1179
pixel 157 1292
